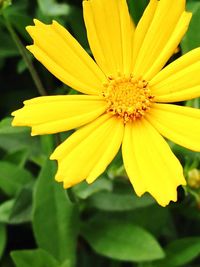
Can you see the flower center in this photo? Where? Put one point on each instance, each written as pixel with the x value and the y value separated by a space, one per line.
pixel 128 98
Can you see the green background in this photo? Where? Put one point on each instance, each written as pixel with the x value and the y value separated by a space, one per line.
pixel 104 224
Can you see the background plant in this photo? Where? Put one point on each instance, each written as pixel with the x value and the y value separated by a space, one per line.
pixel 103 224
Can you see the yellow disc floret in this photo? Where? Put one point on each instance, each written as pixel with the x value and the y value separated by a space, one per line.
pixel 128 98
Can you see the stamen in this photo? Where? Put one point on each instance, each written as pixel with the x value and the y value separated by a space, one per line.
pixel 129 98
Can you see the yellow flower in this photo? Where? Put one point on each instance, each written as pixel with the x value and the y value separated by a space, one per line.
pixel 126 95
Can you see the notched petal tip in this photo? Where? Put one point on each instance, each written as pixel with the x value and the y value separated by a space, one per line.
pixel 14 113
pixel 52 157
pixel 38 22
pixel 30 48
pixel 54 22
pixel 139 193
pixel 184 183
pixel 166 201
pixel 59 178
pixel 66 185
pixel 30 29
pixel 33 133
pixel 14 123
pixel 163 204
pixel 90 180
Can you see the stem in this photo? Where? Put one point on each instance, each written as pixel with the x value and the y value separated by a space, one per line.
pixel 25 57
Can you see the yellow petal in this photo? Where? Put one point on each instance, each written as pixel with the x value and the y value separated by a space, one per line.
pixel 150 164
pixel 143 27
pixel 168 26
pixel 130 162
pixel 180 80
pixel 87 153
pixel 168 49
pixel 110 32
pixel 52 114
pixel 62 55
pixel 177 123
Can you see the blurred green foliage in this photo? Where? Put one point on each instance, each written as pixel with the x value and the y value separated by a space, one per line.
pixel 103 224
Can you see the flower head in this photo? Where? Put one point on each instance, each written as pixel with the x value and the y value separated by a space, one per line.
pixel 125 95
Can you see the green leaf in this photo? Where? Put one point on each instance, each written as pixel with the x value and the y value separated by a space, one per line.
pixel 33 258
pixel 21 66
pixel 3 239
pixel 65 264
pixel 51 8
pixel 84 190
pixel 55 218
pixel 108 201
pixel 121 240
pixel 5 210
pixel 191 39
pixel 13 139
pixel 13 178
pixel 6 128
pixel 180 252
pixel 36 258
pixel 22 208
pixel 5 3
pixel 163 226
pixel 18 210
pixel 18 157
pixel 47 144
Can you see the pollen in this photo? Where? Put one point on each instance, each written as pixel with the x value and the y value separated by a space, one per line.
pixel 129 98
